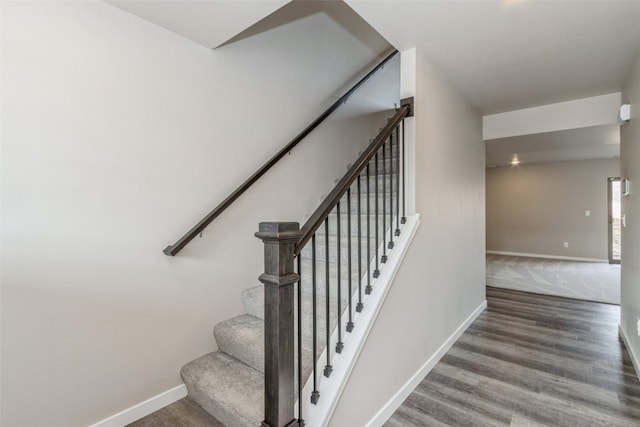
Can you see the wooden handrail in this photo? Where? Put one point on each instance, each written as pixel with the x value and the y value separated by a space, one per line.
pixel 172 250
pixel 317 218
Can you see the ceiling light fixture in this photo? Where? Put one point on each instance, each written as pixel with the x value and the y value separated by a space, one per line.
pixel 515 161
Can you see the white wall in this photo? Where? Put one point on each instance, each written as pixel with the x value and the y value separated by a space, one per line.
pixel 535 208
pixel 630 168
pixel 586 112
pixel 193 19
pixel 117 137
pixel 441 281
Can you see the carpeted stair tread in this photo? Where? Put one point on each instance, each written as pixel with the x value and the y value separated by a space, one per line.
pixel 380 177
pixel 321 246
pixel 333 270
pixel 363 203
pixel 387 171
pixel 387 187
pixel 226 388
pixel 243 338
pixel 393 157
pixel 253 302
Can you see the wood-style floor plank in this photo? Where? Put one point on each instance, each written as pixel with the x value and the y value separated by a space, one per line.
pixel 183 413
pixel 528 361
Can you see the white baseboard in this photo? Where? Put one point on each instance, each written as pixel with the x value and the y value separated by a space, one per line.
pixel 392 405
pixel 632 354
pixel 143 409
pixel 566 258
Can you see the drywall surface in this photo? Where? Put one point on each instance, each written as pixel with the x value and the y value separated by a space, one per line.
pixel 193 19
pixel 579 113
pixel 117 137
pixel 630 168
pixel 441 281
pixel 535 208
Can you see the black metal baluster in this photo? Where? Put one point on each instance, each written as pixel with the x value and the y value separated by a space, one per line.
pixel 315 394
pixel 376 272
pixel 384 202
pixel 391 151
pixel 350 322
pixel 397 181
pixel 404 171
pixel 368 289
pixel 327 368
pixel 300 379
pixel 359 306
pixel 339 344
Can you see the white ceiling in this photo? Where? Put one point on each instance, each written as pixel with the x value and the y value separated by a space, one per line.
pixel 506 55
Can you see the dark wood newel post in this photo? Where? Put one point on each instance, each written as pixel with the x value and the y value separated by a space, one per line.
pixel 279 277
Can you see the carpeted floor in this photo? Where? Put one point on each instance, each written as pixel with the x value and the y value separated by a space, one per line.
pixel 591 281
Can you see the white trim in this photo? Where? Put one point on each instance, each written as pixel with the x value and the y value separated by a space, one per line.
pixel 634 357
pixel 392 405
pixel 330 389
pixel 408 89
pixel 143 409
pixel 410 167
pixel 567 258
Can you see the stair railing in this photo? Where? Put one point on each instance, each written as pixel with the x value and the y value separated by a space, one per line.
pixel 378 176
pixel 173 249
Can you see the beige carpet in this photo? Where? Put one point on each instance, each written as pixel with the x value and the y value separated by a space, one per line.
pixel 591 281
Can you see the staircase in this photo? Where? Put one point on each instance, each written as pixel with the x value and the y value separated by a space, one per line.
pixel 230 383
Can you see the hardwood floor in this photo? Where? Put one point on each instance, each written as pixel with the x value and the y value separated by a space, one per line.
pixel 183 413
pixel 530 360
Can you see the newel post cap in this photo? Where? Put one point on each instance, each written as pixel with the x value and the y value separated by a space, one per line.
pixel 287 231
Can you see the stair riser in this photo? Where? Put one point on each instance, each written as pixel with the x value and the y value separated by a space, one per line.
pixel 254 302
pixel 333 258
pixel 344 225
pixel 389 166
pixel 364 209
pixel 307 276
pixel 344 260
pixel 345 204
pixel 372 182
pixel 321 254
pixel 243 338
pixel 388 163
pixel 307 324
pixel 393 145
pixel 229 390
pixel 380 177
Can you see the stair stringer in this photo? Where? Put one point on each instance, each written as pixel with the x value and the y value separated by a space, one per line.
pixel 331 389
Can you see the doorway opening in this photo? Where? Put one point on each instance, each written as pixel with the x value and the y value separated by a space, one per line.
pixel 615 220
